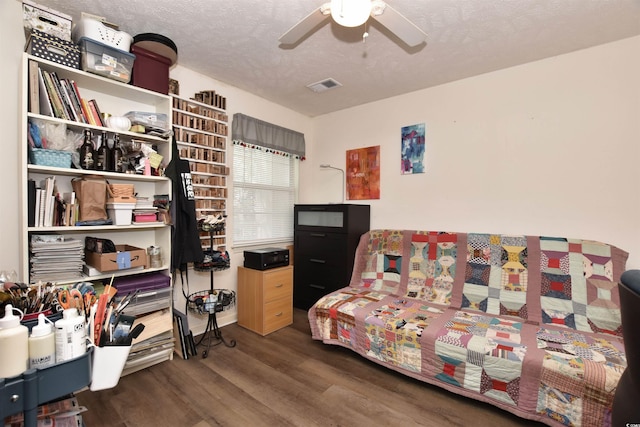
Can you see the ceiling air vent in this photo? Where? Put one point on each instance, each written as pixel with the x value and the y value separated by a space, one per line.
pixel 323 85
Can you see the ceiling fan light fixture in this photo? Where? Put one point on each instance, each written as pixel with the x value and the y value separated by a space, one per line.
pixel 350 13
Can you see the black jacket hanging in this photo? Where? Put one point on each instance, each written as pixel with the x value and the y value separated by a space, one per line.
pixel 185 237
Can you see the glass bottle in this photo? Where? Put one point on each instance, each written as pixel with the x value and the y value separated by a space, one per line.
pixel 116 154
pixel 103 158
pixel 87 152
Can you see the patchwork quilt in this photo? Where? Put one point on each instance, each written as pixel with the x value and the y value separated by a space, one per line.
pixel 530 324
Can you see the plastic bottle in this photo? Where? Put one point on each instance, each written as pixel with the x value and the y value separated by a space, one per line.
pixel 71 335
pixel 42 344
pixel 14 344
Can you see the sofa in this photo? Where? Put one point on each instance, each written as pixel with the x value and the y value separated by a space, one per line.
pixel 529 324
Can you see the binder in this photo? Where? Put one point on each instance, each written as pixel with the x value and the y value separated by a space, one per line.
pixel 31 197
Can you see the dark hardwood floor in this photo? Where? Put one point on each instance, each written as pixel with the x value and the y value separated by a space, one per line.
pixel 283 379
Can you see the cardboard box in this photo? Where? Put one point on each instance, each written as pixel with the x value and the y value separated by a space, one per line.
pixel 52 48
pixel 50 21
pixel 126 257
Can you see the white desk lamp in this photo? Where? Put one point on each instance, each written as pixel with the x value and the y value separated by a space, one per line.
pixel 342 184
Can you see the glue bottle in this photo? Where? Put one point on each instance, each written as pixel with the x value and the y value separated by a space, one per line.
pixel 71 335
pixel 42 344
pixel 14 344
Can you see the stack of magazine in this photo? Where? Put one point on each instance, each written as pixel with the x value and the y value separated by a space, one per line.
pixel 61 413
pixel 55 257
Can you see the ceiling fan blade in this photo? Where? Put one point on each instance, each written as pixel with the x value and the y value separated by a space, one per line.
pixel 395 22
pixel 302 28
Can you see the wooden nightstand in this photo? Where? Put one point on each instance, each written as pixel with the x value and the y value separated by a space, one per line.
pixel 265 299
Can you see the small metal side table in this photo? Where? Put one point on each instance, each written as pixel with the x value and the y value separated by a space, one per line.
pixel 212 301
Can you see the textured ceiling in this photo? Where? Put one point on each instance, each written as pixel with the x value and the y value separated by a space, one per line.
pixel 236 42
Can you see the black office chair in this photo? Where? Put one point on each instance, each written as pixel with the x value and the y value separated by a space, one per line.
pixel 626 403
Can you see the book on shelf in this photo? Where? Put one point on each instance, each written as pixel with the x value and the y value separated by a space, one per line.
pixel 81 101
pixel 75 99
pixel 57 97
pixel 94 112
pixel 94 106
pixel 34 87
pixel 69 200
pixel 49 187
pixel 68 97
pixel 56 101
pixel 38 203
pixel 66 102
pixel 87 110
pixel 46 108
pixel 31 197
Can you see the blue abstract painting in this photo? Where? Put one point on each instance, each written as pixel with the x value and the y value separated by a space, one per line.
pixel 413 149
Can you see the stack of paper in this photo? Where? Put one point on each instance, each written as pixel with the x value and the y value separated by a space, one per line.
pixel 55 257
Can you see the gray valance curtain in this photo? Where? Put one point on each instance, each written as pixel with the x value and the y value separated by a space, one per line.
pixel 257 132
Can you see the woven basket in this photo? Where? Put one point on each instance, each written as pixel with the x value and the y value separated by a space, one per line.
pixel 121 190
pixel 55 158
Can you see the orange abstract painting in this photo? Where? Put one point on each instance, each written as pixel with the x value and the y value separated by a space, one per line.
pixel 363 173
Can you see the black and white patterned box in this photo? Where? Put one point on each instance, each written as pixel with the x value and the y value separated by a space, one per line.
pixel 54 49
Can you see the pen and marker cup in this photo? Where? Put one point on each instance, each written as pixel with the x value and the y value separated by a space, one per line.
pixel 110 358
pixel 108 362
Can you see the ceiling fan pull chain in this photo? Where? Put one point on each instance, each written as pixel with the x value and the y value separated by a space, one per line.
pixel 365 34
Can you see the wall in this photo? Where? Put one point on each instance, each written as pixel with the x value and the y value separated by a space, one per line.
pixel 550 147
pixel 11 47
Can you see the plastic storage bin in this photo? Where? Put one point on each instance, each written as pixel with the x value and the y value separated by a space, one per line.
pixel 120 213
pixel 98 58
pixel 96 30
pixel 56 158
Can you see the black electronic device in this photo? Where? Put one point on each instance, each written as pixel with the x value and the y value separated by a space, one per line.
pixel 264 259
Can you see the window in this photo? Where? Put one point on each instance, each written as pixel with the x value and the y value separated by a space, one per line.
pixel 265 185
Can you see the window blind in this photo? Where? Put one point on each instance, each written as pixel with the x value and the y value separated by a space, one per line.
pixel 265 180
pixel 265 185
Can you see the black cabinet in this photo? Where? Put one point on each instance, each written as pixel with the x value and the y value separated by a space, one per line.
pixel 326 237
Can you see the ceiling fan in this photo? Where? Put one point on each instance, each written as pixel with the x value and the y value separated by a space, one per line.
pixel 353 13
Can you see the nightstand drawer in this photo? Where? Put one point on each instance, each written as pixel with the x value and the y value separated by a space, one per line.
pixel 277 284
pixel 278 314
pixel 326 245
pixel 314 270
